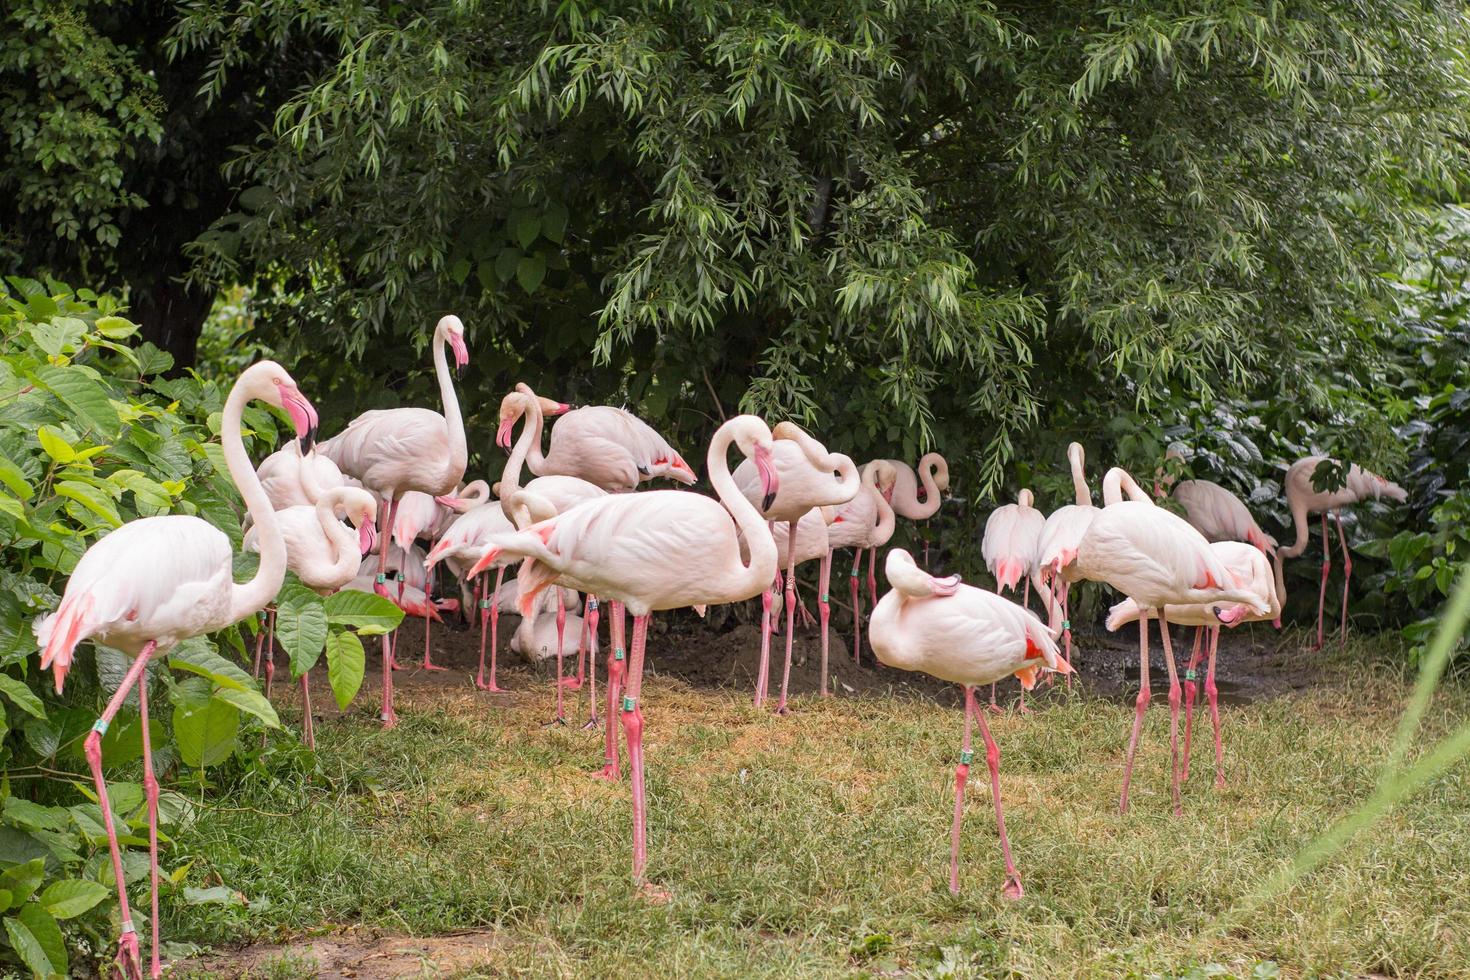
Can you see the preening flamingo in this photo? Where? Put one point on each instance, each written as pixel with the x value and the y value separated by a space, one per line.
pixel 325 555
pixel 393 451
pixel 1060 536
pixel 663 549
pixel 157 581
pixel 1214 511
pixel 292 478
pixel 610 447
pixel 866 521
pixel 809 477
pixel 1157 559
pixel 1250 569
pixel 1011 547
pixel 916 496
pixel 1304 500
pixel 971 637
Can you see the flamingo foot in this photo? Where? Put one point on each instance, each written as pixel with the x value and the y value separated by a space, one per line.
pixel 390 720
pixel 1012 890
pixel 129 960
pixel 996 709
pixel 1025 709
pixel 592 723
pixel 558 720
pixel 654 894
pixel 610 772
pixel 492 687
pixel 570 683
pixel 432 667
pixel 1220 781
pixel 783 710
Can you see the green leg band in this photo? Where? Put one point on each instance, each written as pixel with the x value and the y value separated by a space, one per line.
pixel 966 757
pixel 618 653
pixel 1190 675
pixel 100 726
pixel 484 603
pixel 629 704
pixel 382 578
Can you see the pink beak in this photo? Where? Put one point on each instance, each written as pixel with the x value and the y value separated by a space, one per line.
pixel 561 409
pixel 502 434
pixel 367 536
pixel 770 483
pixel 303 416
pixel 461 353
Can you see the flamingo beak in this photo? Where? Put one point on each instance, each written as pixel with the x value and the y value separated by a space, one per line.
pixel 502 434
pixel 888 496
pixel 461 352
pixel 561 409
pixel 1230 615
pixel 770 483
pixel 367 536
pixel 303 416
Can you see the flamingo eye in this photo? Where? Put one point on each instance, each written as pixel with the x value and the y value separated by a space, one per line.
pixel 276 382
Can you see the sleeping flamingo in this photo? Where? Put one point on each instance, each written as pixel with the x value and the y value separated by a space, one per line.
pixel 1157 559
pixel 157 581
pixel 809 477
pixel 393 451
pixel 324 553
pixel 662 549
pixel 971 637
pixel 916 496
pixel 1250 569
pixel 1011 547
pixel 866 521
pixel 1304 500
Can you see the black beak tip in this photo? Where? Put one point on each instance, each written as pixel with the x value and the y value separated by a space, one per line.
pixel 643 470
pixel 768 501
pixel 308 440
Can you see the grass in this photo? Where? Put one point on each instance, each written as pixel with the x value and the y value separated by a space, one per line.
pixel 818 844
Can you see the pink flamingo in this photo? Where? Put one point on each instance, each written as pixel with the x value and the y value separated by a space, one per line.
pixel 970 637
pixel 324 553
pixel 1157 559
pixel 866 521
pixel 663 549
pixel 1214 511
pixel 293 479
pixel 610 447
pixel 1060 537
pixel 1249 569
pixel 393 451
pixel 1011 547
pixel 1304 499
pixel 916 497
pixel 157 581
pixel 809 477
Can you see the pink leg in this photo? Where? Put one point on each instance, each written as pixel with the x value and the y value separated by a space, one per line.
pixel 825 611
pixel 259 643
pixel 1213 695
pixel 150 789
pixel 615 655
pixel 764 667
pixel 857 609
pixel 493 613
pixel 428 620
pixel 484 602
pixel 1012 889
pixel 873 576
pixel 590 617
pixel 961 775
pixel 129 959
pixel 1067 623
pixel 633 732
pixel 270 650
pixel 561 632
pixel 389 716
pixel 575 683
pixel 1189 694
pixel 1140 706
pixel 308 732
pixel 781 708
pixel 1322 590
pixel 993 705
pixel 1347 572
pixel 1174 699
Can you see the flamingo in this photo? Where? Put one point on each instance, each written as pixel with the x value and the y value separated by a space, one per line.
pixel 809 477
pixel 663 549
pixel 1060 536
pixel 292 478
pixel 971 637
pixel 1011 547
pixel 1214 511
pixel 393 451
pixel 1303 499
pixel 1157 559
pixel 413 600
pixel 866 521
pixel 324 553
pixel 916 496
pixel 1248 568
pixel 157 581
pixel 610 447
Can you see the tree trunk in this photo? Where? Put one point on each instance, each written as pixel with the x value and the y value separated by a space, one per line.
pixel 171 315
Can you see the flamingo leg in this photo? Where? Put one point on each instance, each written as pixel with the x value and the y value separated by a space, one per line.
pixel 575 683
pixel 764 666
pixel 1213 695
pixel 925 534
pixel 270 650
pixel 1067 622
pixel 873 575
pixel 781 708
pixel 1174 700
pixel 632 717
pixel 1140 705
pixel 150 789
pixel 259 644
pixel 1347 572
pixel 389 716
pixel 824 610
pixel 610 769
pixel 961 776
pixel 1322 590
pixel 993 706
pixel 1012 888
pixel 590 617
pixel 1026 591
pixel 129 958
pixel 484 602
pixel 857 609
pixel 561 631
pixel 494 615
pixel 1190 689
pixel 429 584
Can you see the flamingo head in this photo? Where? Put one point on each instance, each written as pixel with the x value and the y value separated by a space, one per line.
pixel 367 535
pixel 1231 615
pixel 887 479
pixel 765 466
pixel 269 382
pixel 452 330
pixel 512 407
pixel 551 409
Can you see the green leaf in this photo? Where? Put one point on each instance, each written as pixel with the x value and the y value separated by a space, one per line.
pixel 197 655
pixel 43 737
pixel 44 928
pixel 301 626
pixel 91 498
pixel 54 445
pixel 530 272
pixel 6 899
pixel 205 734
pixel 505 264
pixel 252 702
pixel 525 226
pixel 346 664
pixel 30 950
pixel 71 897
pixel 460 271
pixel 34 816
pixel 116 327
pixel 84 396
pixel 24 698
pixel 23 879
pixel 554 223
pixel 13 477
pixel 367 612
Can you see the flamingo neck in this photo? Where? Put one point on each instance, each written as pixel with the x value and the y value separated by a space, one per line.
pixel 758 539
pixel 887 518
pixel 254 595
pixel 1119 480
pixel 1082 496
pixel 459 455
pixel 1299 521
pixel 510 477
pixel 311 487
pixel 345 557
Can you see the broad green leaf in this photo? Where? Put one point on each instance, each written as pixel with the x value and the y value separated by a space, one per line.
pixel 43 737
pixel 346 664
pixel 23 879
pixel 205 734
pixel 54 445
pixel 34 816
pixel 199 656
pixel 218 895
pixel 531 272
pixel 525 226
pixel 252 702
pixel 368 613
pixel 12 476
pixel 84 396
pixel 24 698
pixel 301 627
pixel 91 498
pixel 505 264
pixel 116 327
pixel 70 898
pixel 554 223
pixel 6 899
pixel 30 950
pixel 44 928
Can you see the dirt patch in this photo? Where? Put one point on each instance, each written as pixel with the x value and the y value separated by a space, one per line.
pixel 360 955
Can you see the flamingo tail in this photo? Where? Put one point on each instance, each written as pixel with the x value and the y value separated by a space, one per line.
pixel 59 634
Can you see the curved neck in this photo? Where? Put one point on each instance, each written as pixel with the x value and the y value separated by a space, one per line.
pixel 1119 480
pixel 459 455
pixel 1276 566
pixel 311 487
pixel 931 486
pixel 345 556
pixel 1303 530
pixel 758 539
pixel 1081 495
pixel 535 458
pixel 254 595
pixel 883 530
pixel 510 477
